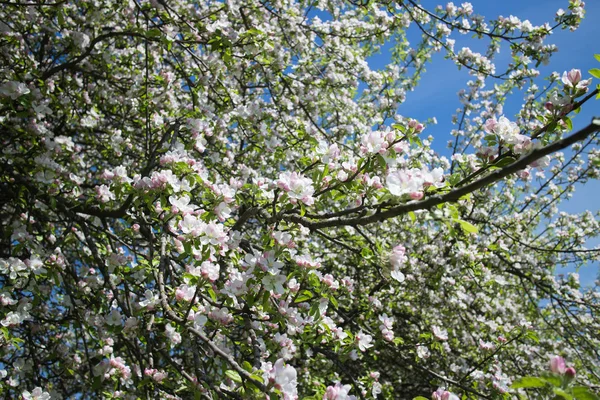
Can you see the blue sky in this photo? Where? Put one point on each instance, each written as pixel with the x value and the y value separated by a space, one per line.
pixel 436 95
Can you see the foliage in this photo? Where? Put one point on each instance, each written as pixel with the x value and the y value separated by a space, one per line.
pixel 221 200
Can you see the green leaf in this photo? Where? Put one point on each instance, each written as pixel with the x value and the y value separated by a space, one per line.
pixel 305 295
pixel 595 72
pixel 583 393
pixel 247 366
pixel 333 302
pixel 597 57
pixel 97 383
pixel 468 227
pixel 212 294
pixel 233 375
pixel 491 140
pixel 569 123
pixel 454 179
pixel 561 393
pixel 153 33
pixel 504 162
pixel 532 336
pixel 420 398
pixel 412 216
pixel 552 379
pixel 381 161
pixel 453 211
pixel 366 253
pixel 528 382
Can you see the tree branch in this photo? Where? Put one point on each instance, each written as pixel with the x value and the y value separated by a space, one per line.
pixel 456 194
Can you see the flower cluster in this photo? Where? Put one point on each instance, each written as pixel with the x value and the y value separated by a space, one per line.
pixel 414 181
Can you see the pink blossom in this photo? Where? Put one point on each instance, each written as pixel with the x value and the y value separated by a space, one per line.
pixel 439 333
pixel 297 187
pixel 274 282
pixel 364 341
pixel 283 239
pixel 442 394
pixel 307 262
pixel 285 378
pixel 210 270
pixel 180 204
pixel 398 256
pixel 172 334
pixel 36 394
pixel 223 211
pixel 413 181
pixel 13 89
pixel 329 280
pixel 374 142
pixel 214 234
pixel 104 194
pixel 293 285
pixel 338 392
pixel 191 225
pixel 221 315
pixel 185 293
pixel 487 346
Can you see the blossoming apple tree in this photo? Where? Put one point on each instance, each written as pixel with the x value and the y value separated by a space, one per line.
pixel 221 200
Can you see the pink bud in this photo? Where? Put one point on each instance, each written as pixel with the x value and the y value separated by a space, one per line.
pixel 549 106
pixel 416 195
pixel 570 372
pixel 572 77
pixel 557 365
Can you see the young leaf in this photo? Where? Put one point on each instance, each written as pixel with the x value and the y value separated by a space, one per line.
pixel 468 227
pixel 528 382
pixel 595 72
pixel 504 162
pixel 233 375
pixel 583 393
pixel 562 394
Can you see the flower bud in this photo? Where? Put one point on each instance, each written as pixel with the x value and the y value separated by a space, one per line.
pixel 557 365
